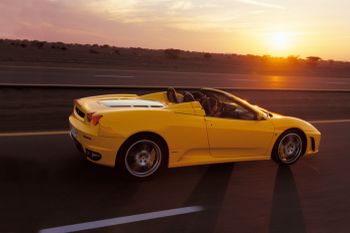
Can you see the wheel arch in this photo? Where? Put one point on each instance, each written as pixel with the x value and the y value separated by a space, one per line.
pixel 144 134
pixel 303 137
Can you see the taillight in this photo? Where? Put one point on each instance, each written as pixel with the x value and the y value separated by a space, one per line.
pixel 96 119
pixel 93 118
pixel 89 116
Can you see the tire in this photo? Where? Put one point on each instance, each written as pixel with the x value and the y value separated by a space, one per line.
pixel 289 147
pixel 141 157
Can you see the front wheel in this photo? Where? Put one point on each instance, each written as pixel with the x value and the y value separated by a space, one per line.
pixel 141 157
pixel 288 148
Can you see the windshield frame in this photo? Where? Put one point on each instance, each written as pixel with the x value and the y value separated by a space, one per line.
pixel 258 113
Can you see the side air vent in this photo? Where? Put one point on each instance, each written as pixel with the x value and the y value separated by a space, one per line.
pixel 312 144
pixel 79 112
pixel 120 106
pixel 131 103
pixel 141 106
pixel 156 106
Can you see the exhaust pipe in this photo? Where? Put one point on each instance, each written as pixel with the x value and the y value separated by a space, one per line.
pixel 93 155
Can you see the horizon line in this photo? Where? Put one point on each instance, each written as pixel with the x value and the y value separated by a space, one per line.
pixel 184 50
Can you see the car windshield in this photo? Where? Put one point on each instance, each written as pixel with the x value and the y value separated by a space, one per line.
pixel 222 104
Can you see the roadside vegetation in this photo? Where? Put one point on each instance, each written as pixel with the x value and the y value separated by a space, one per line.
pixel 24 52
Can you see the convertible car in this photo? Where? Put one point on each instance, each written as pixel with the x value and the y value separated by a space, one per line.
pixel 140 135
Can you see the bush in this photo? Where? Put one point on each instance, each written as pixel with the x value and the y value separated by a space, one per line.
pixel 172 53
pixel 38 44
pixel 93 51
pixel 207 56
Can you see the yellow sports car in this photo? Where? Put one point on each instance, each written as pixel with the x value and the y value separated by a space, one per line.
pixel 140 135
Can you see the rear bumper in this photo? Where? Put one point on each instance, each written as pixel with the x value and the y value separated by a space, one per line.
pixel 77 143
pixel 97 149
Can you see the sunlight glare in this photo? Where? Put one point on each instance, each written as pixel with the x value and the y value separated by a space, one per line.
pixel 279 40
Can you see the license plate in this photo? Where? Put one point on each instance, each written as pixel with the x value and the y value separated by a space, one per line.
pixel 74 132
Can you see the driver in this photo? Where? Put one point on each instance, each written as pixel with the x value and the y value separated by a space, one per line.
pixel 215 108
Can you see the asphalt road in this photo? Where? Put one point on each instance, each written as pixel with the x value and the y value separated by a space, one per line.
pixel 64 75
pixel 45 183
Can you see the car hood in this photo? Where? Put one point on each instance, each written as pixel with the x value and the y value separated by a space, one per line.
pixel 282 122
pixel 287 122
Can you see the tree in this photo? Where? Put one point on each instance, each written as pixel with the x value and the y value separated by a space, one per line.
pixel 293 59
pixel 266 58
pixel 313 60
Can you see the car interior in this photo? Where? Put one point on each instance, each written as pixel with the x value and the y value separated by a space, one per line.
pixel 214 104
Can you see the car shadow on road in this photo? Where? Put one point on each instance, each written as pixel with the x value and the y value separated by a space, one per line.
pixel 286 214
pixel 208 193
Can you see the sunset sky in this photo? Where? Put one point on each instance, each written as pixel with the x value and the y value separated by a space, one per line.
pixel 279 28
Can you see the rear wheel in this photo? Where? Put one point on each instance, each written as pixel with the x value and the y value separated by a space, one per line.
pixel 288 148
pixel 141 157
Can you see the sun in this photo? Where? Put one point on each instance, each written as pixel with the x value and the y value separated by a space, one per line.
pixel 279 41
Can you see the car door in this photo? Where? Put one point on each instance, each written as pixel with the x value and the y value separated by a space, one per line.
pixel 239 136
pixel 186 134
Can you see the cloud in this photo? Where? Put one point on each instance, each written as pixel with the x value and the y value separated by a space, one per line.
pixel 188 24
pixel 183 5
pixel 89 15
pixel 262 4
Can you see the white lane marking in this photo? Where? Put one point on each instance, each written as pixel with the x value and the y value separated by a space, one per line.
pixel 330 121
pixel 42 133
pixel 122 220
pixel 113 76
pixel 245 80
pixel 337 82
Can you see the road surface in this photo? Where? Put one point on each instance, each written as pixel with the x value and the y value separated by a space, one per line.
pixel 46 185
pixel 94 76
